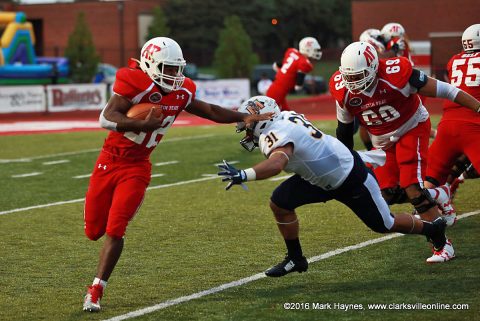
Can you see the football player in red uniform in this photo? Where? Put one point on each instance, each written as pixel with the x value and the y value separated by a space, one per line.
pixel 375 38
pixel 383 94
pixel 396 41
pixel 291 72
pixel 122 171
pixel 459 127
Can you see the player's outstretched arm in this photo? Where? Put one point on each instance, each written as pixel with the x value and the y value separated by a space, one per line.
pixel 273 165
pixel 223 115
pixel 113 117
pixel 440 89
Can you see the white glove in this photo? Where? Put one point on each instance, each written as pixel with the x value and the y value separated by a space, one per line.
pixel 298 88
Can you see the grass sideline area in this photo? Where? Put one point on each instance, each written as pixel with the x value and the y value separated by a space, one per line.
pixel 196 236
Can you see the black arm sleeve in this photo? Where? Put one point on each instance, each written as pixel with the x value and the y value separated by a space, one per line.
pixel 418 79
pixel 300 78
pixel 345 133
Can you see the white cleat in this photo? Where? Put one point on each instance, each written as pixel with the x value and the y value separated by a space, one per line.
pixel 447 253
pixel 92 298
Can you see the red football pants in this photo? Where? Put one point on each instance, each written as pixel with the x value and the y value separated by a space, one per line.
pixel 454 138
pixel 116 191
pixel 406 162
pixel 279 95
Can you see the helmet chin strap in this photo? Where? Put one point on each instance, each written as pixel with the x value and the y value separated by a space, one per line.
pixel 370 87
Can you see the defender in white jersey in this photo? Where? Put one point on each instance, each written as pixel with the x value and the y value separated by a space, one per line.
pixel 324 170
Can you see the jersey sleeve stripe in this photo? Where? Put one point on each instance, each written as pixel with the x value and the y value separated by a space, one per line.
pixel 139 97
pixel 189 96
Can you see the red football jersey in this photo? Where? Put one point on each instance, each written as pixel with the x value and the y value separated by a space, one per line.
pixel 286 77
pixel 464 73
pixel 135 85
pixel 389 110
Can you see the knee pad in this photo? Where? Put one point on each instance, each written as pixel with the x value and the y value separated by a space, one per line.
pixel 395 195
pixel 424 196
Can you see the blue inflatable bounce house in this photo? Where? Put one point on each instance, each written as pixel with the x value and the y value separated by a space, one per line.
pixel 18 63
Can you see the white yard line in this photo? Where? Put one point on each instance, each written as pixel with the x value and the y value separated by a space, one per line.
pixel 29 159
pixel 166 163
pixel 82 199
pixel 82 176
pixel 60 161
pixel 157 175
pixel 27 175
pixel 230 162
pixel 257 276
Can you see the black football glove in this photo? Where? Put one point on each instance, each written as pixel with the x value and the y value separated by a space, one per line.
pixel 230 173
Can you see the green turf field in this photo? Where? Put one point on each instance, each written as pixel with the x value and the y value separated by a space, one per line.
pixel 194 236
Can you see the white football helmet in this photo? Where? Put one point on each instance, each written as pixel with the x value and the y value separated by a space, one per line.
pixel 471 38
pixel 359 66
pixel 391 30
pixel 373 37
pixel 310 47
pixel 158 56
pixel 256 105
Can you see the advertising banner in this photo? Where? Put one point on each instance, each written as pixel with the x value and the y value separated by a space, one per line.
pixel 76 97
pixel 229 93
pixel 14 99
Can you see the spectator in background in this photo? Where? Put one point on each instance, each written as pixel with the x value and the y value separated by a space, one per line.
pixel 291 72
pixel 263 84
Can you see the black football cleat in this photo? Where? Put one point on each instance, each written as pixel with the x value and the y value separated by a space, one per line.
pixel 288 265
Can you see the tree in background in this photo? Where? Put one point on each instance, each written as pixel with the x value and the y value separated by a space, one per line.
pixel 197 24
pixel 234 57
pixel 81 52
pixel 159 26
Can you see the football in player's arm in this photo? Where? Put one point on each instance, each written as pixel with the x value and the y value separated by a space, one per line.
pixel 324 169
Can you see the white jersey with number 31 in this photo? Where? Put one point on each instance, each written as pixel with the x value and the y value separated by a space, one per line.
pixel 317 157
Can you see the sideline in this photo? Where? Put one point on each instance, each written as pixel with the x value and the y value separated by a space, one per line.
pixel 29 159
pixel 257 276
